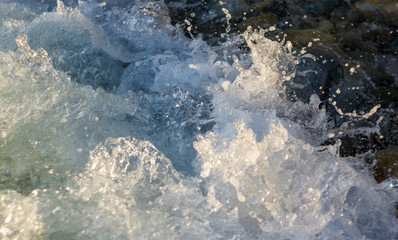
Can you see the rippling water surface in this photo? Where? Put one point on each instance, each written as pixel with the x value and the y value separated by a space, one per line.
pixel 117 124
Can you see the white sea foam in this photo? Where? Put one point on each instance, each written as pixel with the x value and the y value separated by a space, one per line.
pixel 79 162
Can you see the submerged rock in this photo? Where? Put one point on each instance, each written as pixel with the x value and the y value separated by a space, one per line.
pixel 355 50
pixel 386 163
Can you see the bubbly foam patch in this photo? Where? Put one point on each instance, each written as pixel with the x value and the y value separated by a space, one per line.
pixel 48 122
pixel 193 142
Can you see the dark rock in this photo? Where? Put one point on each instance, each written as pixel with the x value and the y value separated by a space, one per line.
pixel 386 163
pixel 356 59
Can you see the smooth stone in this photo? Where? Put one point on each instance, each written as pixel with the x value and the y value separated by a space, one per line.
pixel 387 163
pixel 259 21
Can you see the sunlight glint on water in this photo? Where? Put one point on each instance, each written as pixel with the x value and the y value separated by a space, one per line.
pixel 188 141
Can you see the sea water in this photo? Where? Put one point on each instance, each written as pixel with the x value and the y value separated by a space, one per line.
pixel 114 125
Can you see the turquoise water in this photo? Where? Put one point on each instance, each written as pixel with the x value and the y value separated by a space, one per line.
pixel 115 125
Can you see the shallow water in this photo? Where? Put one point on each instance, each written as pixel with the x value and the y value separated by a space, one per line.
pixel 115 125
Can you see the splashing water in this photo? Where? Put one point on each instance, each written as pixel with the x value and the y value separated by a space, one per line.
pixel 115 126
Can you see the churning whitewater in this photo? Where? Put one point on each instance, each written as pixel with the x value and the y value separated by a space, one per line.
pixel 114 125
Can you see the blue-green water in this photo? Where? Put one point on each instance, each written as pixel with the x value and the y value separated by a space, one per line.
pixel 115 125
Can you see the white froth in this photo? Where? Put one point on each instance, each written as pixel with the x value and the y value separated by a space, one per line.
pixel 79 162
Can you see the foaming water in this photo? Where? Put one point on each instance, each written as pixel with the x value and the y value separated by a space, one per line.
pixel 116 126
